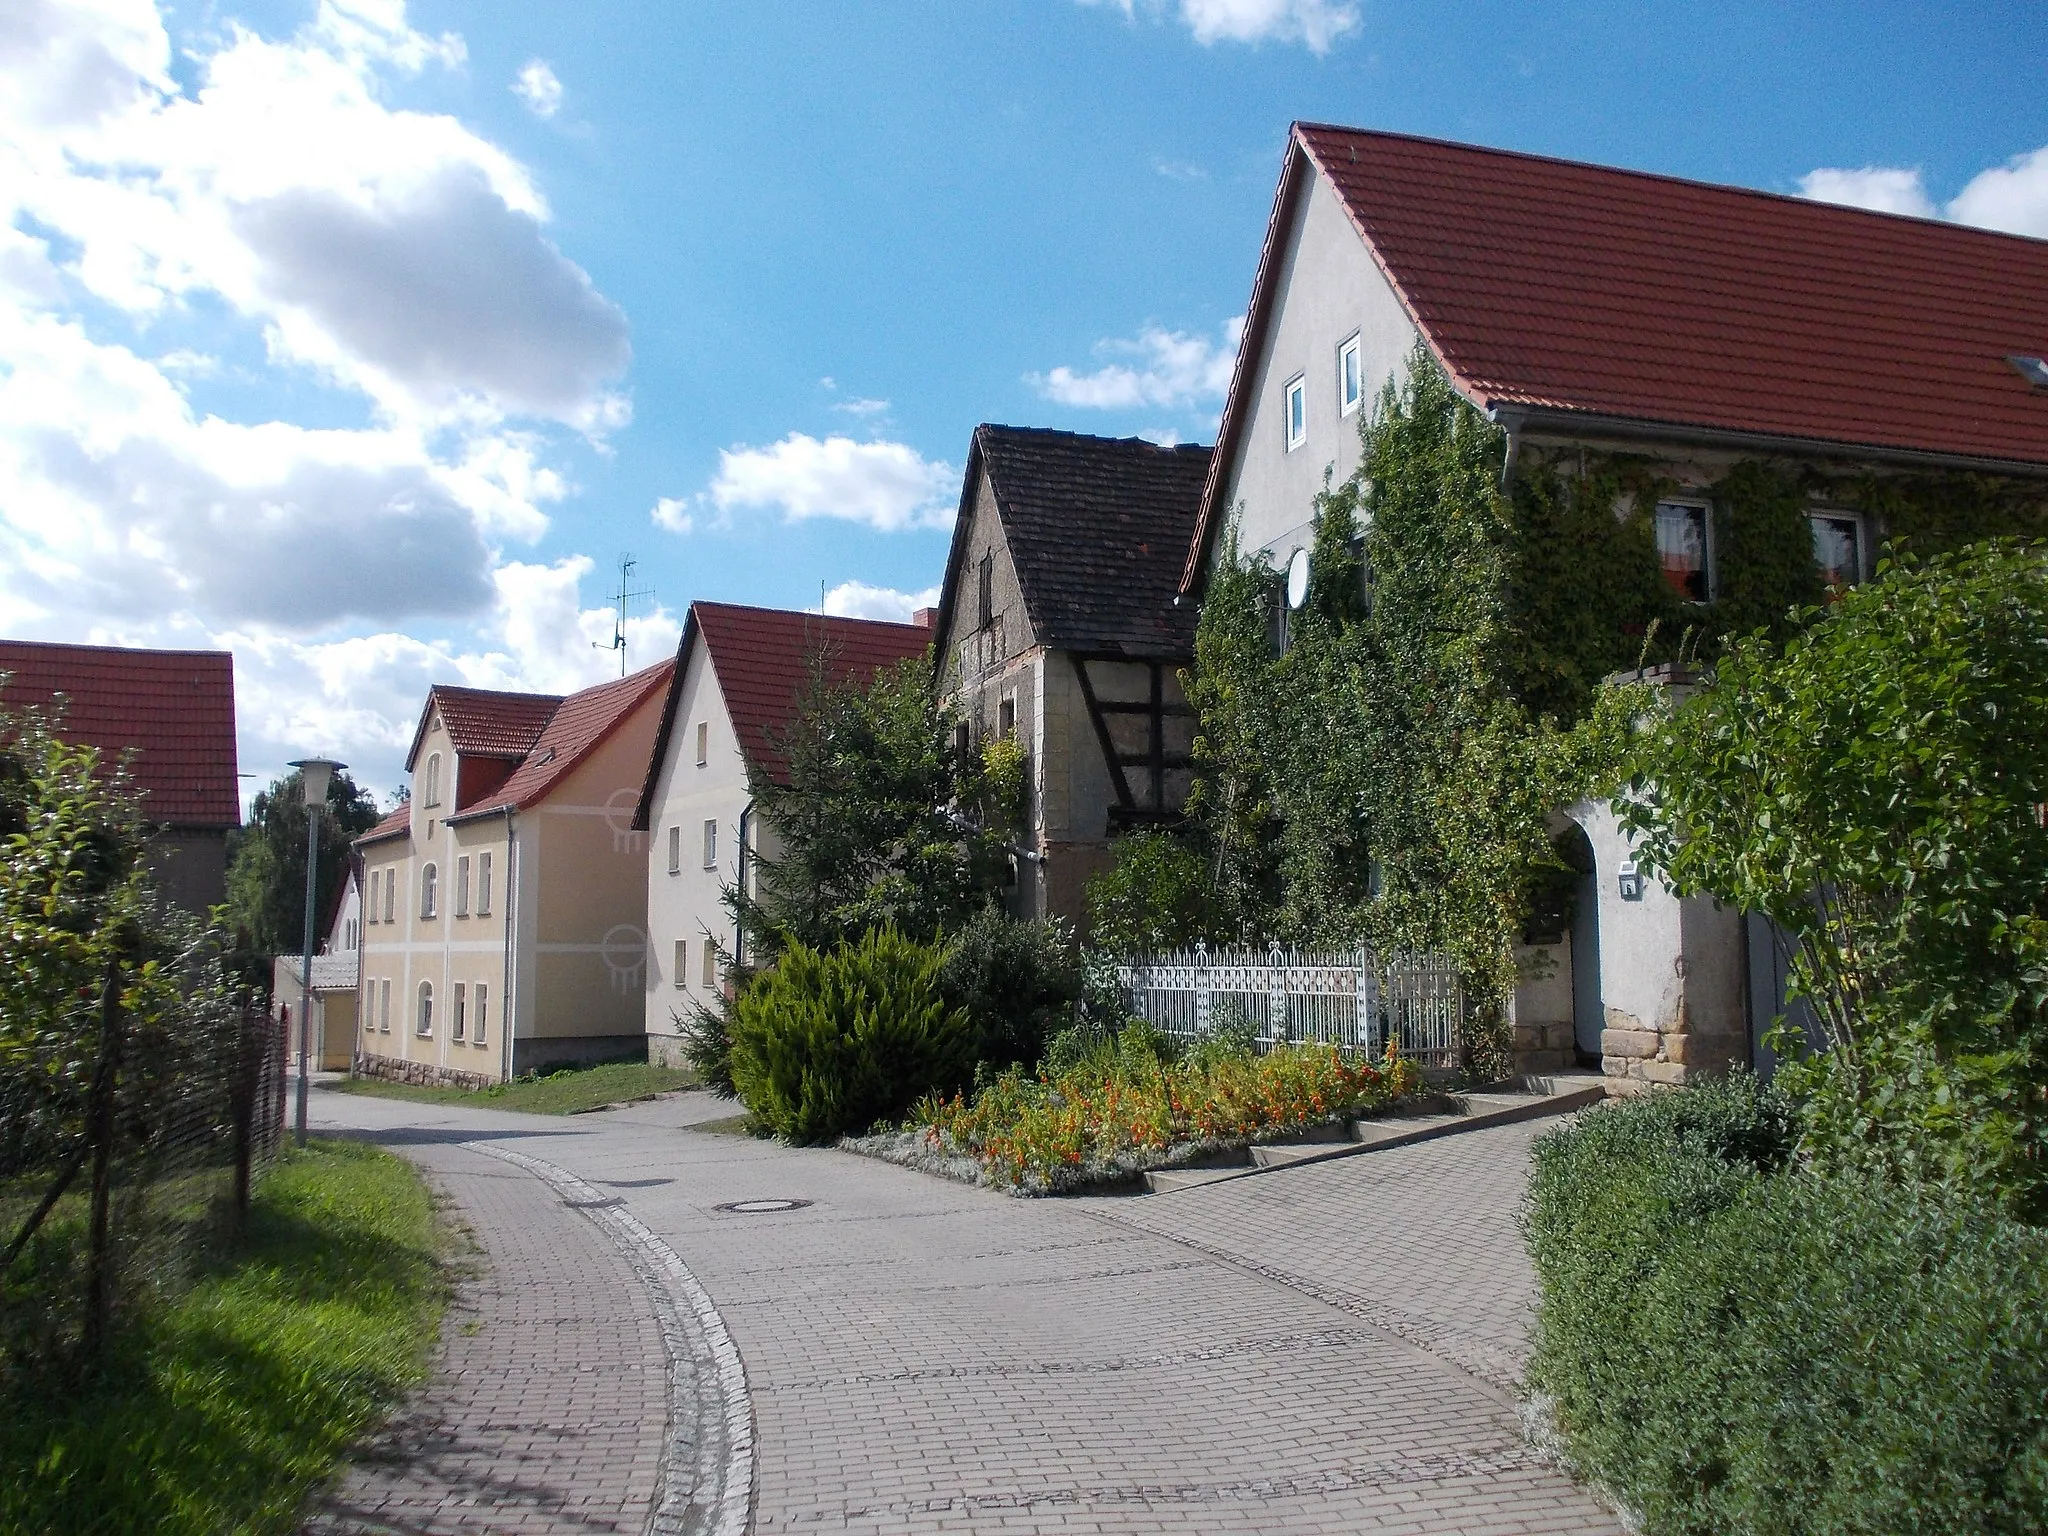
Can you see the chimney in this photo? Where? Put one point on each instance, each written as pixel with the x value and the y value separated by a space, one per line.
pixel 925 618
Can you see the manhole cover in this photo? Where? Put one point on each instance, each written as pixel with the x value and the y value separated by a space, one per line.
pixel 760 1207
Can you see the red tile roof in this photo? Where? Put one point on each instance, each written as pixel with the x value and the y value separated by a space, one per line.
pixel 577 727
pixel 486 722
pixel 174 709
pixel 396 822
pixel 760 655
pixel 1582 291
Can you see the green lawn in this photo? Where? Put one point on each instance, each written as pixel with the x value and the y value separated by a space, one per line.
pixel 559 1093
pixel 218 1411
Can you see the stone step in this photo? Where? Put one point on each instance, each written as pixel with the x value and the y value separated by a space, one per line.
pixel 1161 1180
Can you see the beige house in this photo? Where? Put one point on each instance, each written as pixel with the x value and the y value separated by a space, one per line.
pixel 738 672
pixel 504 906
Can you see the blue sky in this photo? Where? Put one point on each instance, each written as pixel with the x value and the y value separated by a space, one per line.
pixel 362 337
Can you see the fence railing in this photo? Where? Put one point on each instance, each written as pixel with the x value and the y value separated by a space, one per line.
pixel 1351 998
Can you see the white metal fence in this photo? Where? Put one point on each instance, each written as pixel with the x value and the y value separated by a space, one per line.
pixel 1351 998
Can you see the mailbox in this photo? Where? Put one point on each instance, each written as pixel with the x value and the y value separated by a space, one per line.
pixel 1631 881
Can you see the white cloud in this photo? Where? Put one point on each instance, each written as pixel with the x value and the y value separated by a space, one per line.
pixel 1317 24
pixel 889 486
pixel 673 513
pixel 864 410
pixel 1179 170
pixel 858 600
pixel 539 89
pixel 1883 188
pixel 2012 197
pixel 1170 369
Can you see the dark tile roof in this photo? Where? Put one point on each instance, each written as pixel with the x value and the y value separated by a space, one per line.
pixel 580 723
pixel 1097 528
pixel 761 656
pixel 174 710
pixel 1571 290
pixel 486 722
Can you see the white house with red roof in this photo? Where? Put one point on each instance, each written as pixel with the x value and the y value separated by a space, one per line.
pixel 1590 310
pixel 737 676
pixel 504 904
pixel 171 715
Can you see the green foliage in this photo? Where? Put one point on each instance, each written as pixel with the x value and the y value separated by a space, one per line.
pixel 1016 981
pixel 1735 1345
pixel 569 1091
pixel 1154 898
pixel 1005 787
pixel 829 1042
pixel 219 1411
pixel 872 819
pixel 706 1032
pixel 267 861
pixel 1876 786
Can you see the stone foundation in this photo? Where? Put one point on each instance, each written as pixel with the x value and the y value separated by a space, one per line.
pixel 666 1051
pixel 420 1074
pixel 1638 1059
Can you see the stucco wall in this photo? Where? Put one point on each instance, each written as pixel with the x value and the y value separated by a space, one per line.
pixel 1328 289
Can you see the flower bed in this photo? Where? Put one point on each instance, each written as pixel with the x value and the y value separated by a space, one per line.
pixel 1098 1125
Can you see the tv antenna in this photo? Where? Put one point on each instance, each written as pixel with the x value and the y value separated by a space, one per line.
pixel 625 595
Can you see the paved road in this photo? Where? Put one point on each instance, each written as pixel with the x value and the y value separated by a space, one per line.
pixel 1326 1349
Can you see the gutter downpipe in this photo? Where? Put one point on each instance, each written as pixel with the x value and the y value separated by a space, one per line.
pixel 1509 422
pixel 739 929
pixel 510 1021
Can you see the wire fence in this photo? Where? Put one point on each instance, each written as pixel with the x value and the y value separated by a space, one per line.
pixel 1350 998
pixel 124 1167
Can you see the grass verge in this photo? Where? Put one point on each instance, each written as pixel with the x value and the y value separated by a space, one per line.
pixel 218 1411
pixel 568 1092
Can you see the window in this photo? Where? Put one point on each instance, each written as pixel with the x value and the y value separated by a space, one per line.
pixel 711 845
pixel 675 850
pixel 703 742
pixel 710 964
pixel 390 893
pixel 483 885
pixel 1682 548
pixel 1297 412
pixel 354 939
pixel 986 589
pixel 430 881
pixel 962 743
pixel 483 1015
pixel 682 963
pixel 455 1019
pixel 370 897
pixel 426 1020
pixel 384 1007
pixel 1006 716
pixel 433 784
pixel 1350 382
pixel 462 886
pixel 1838 548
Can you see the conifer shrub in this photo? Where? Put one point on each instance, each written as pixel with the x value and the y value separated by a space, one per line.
pixel 1734 1343
pixel 830 1041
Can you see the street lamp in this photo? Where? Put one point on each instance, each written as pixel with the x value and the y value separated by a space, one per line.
pixel 314 775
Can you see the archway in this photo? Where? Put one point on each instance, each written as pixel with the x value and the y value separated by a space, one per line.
pixel 1589 1008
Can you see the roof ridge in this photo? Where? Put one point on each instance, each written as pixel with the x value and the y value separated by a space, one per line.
pixel 1093 437
pixel 800 613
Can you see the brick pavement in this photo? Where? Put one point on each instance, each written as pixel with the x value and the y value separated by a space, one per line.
pixel 923 1356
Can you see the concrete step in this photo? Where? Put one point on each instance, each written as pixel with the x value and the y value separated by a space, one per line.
pixel 1161 1180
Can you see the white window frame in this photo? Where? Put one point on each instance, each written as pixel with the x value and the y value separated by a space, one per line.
pixel 433 794
pixel 680 963
pixel 1705 507
pixel 1294 411
pixel 430 891
pixel 675 849
pixel 703 743
pixel 483 885
pixel 390 894
pixel 384 1006
pixel 462 886
pixel 1862 526
pixel 1353 380
pixel 710 965
pixel 711 844
pixel 423 1019
pixel 458 998
pixel 483 1013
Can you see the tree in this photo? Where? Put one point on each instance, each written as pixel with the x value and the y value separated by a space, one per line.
pixel 878 819
pixel 267 862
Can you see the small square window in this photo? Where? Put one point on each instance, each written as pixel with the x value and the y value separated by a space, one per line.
pixel 1006 716
pixel 703 742
pixel 1350 381
pixel 711 845
pixel 1682 549
pixel 675 850
pixel 1838 548
pixel 710 964
pixel 1297 412
pixel 682 963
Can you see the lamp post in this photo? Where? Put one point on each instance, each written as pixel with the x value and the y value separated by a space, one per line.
pixel 315 773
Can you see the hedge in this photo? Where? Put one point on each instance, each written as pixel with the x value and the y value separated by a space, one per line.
pixel 1732 1344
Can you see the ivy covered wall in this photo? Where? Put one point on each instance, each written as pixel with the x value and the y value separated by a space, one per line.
pixel 1392 773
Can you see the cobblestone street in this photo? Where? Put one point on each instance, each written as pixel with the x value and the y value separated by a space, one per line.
pixel 1327 1348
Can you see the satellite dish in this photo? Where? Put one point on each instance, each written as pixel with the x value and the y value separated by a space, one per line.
pixel 1297 578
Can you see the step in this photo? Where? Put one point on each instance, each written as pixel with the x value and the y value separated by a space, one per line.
pixel 1161 1180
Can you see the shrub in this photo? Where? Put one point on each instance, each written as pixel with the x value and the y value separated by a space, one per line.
pixel 829 1042
pixel 1155 897
pixel 706 1034
pixel 1736 1344
pixel 1017 982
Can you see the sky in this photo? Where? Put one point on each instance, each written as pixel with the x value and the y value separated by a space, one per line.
pixel 364 338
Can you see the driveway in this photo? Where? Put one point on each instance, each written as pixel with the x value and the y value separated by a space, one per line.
pixel 1329 1348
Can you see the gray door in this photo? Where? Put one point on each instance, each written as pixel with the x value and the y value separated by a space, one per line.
pixel 1769 980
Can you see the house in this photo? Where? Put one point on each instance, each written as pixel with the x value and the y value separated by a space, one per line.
pixel 736 678
pixel 505 903
pixel 335 981
pixel 1061 623
pixel 1886 372
pixel 172 715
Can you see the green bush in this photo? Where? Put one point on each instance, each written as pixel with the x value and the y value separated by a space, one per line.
pixel 1155 897
pixel 1734 1344
pixel 1017 982
pixel 829 1042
